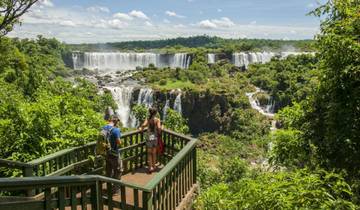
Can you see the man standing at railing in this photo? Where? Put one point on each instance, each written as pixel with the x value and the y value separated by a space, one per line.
pixel 113 166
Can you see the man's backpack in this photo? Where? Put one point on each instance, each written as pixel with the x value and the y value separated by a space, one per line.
pixel 103 142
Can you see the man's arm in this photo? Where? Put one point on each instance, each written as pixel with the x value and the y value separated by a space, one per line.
pixel 117 135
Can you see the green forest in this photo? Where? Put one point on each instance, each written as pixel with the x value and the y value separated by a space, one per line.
pixel 311 161
pixel 212 44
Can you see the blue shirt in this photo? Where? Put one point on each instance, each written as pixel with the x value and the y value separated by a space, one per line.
pixel 115 134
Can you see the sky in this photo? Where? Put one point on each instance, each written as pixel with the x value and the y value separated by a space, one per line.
pixel 100 21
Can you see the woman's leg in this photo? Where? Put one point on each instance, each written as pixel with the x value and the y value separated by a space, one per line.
pixel 149 157
pixel 154 153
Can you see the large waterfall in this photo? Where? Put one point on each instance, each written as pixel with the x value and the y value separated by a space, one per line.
pixel 146 97
pixel 122 96
pixel 211 58
pixel 121 61
pixel 177 104
pixel 166 108
pixel 244 59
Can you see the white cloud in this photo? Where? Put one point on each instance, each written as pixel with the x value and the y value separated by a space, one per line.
pixel 122 16
pixel 179 26
pixel 219 10
pixel 138 14
pixel 117 24
pixel 207 24
pixel 224 22
pixel 98 9
pixel 173 14
pixel 45 3
pixel 67 23
pixel 147 23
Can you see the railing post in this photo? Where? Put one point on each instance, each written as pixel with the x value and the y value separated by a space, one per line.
pixel 194 166
pixel 147 200
pixel 28 172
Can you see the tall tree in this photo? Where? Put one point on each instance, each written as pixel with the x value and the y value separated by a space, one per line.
pixel 334 118
pixel 11 11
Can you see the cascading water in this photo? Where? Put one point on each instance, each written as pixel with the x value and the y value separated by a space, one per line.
pixel 211 58
pixel 270 107
pixel 146 97
pixel 122 96
pixel 128 61
pixel 177 104
pixel 243 59
pixel 76 61
pixel 255 104
pixel 166 107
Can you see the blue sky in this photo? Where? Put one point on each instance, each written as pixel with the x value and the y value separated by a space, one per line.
pixel 90 21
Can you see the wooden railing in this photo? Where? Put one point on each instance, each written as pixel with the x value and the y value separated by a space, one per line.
pixel 165 191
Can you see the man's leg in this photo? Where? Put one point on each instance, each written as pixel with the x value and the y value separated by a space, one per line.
pixel 108 168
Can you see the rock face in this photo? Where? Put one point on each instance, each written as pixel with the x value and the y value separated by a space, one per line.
pixel 203 110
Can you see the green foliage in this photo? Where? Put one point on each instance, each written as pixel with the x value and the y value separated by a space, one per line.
pixel 283 190
pixel 233 169
pixel 289 149
pixel 246 125
pixel 182 44
pixel 333 112
pixel 290 80
pixel 39 113
pixel 176 122
pixel 140 112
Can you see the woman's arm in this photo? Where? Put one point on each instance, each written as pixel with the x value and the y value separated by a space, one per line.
pixel 145 124
pixel 158 125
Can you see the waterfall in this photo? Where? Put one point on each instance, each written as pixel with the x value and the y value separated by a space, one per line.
pixel 166 107
pixel 244 59
pixel 211 58
pixel 255 104
pixel 76 61
pixel 270 107
pixel 122 61
pixel 122 96
pixel 177 104
pixel 146 97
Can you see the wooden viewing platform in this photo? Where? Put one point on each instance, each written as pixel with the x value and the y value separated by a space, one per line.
pixel 70 179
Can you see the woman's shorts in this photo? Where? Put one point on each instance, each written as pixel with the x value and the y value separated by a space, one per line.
pixel 152 143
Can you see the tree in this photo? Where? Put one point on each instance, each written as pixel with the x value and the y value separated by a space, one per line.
pixel 11 11
pixel 334 112
pixel 176 122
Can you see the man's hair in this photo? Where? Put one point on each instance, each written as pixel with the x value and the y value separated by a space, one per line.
pixel 115 119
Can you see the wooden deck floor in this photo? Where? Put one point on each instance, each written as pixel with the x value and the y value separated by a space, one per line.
pixel 138 177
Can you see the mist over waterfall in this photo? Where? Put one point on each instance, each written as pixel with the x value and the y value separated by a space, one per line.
pixel 122 96
pixel 211 58
pixel 121 61
pixel 243 59
pixel 177 104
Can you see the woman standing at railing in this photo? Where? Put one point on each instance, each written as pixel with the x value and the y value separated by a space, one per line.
pixel 153 132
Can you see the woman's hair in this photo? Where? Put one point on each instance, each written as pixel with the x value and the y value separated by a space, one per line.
pixel 152 114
